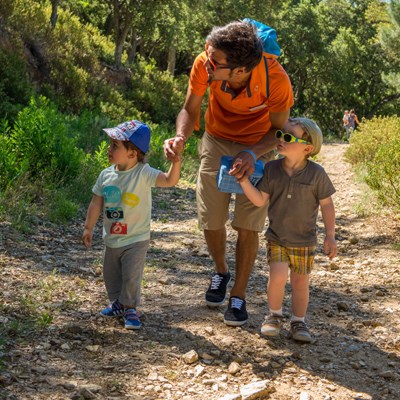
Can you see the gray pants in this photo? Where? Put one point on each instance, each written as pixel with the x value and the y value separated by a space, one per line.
pixel 123 271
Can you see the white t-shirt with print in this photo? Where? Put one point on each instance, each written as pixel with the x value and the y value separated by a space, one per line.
pixel 127 203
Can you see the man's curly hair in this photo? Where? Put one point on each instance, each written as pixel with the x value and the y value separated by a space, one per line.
pixel 240 43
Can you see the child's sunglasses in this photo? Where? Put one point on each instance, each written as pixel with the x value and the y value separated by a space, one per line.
pixel 289 138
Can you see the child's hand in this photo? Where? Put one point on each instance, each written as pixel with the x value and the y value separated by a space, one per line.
pixel 236 166
pixel 177 146
pixel 330 247
pixel 87 238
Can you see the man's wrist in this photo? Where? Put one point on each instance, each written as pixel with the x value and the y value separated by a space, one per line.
pixel 182 136
pixel 251 152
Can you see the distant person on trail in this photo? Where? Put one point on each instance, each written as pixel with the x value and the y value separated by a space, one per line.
pixel 353 120
pixel 250 96
pixel 295 188
pixel 123 193
pixel 346 124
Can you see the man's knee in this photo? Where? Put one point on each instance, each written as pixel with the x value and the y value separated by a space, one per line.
pixel 247 234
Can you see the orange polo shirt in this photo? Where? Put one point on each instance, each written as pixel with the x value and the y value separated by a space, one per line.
pixel 243 118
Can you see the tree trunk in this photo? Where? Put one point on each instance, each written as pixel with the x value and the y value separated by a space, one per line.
pixel 171 60
pixel 54 12
pixel 135 42
pixel 108 25
pixel 120 41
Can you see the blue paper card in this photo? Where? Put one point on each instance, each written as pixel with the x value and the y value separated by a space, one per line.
pixel 228 183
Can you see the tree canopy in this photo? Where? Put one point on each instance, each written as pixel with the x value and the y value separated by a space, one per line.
pixel 338 53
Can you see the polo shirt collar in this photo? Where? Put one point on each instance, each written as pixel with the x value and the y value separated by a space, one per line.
pixel 225 88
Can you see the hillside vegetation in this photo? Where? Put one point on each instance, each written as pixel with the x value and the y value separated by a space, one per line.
pixel 70 68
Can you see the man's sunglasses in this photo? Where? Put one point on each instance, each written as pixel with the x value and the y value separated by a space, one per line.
pixel 214 66
pixel 289 138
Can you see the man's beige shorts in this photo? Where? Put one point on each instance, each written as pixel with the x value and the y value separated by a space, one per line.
pixel 213 205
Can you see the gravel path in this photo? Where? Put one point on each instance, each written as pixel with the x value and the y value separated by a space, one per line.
pixel 53 344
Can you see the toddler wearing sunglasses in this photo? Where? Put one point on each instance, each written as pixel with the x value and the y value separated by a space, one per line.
pixel 295 188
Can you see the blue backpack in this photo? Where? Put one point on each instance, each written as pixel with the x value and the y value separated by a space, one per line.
pixel 270 44
pixel 268 37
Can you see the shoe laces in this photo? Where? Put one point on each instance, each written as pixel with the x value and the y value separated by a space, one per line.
pixel 273 319
pixel 116 306
pixel 130 313
pixel 298 326
pixel 236 302
pixel 216 281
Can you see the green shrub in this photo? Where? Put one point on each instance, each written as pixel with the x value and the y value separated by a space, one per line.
pixel 19 202
pixel 41 142
pixel 113 104
pixel 8 165
pixel 365 141
pixel 383 173
pixel 87 127
pixel 156 92
pixel 80 190
pixel 15 88
pixel 60 208
pixel 375 149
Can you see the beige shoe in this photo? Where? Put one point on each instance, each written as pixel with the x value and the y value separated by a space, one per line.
pixel 300 332
pixel 272 325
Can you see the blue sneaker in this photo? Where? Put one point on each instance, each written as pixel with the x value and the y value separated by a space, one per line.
pixel 132 320
pixel 115 309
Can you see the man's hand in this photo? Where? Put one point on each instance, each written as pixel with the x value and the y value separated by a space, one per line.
pixel 173 147
pixel 242 166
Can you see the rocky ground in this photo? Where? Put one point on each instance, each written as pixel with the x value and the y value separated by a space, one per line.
pixel 54 345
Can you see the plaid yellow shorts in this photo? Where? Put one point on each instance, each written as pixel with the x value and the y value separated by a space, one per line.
pixel 300 259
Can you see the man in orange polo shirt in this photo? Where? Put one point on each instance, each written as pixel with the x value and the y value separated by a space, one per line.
pixel 250 97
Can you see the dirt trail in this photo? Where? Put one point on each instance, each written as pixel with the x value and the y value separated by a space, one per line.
pixel 354 314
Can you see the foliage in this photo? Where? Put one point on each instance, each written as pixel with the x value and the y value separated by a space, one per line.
pixel 384 173
pixel 15 87
pixel 80 190
pixel 156 93
pixel 390 39
pixel 40 141
pixel 375 147
pixel 44 167
pixel 60 208
pixel 8 167
pixel 19 201
pixel 336 60
pixel 338 53
pixel 365 141
pixel 344 55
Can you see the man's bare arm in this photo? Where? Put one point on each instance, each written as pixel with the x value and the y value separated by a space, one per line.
pixel 185 123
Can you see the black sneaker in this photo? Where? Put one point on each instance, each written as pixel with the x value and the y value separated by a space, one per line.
pixel 216 292
pixel 236 314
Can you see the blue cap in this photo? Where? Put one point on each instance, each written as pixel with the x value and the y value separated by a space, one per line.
pixel 135 131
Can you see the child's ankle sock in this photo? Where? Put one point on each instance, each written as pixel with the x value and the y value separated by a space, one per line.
pixel 276 312
pixel 294 319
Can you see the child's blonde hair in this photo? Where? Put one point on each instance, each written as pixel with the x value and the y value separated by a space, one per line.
pixel 312 133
